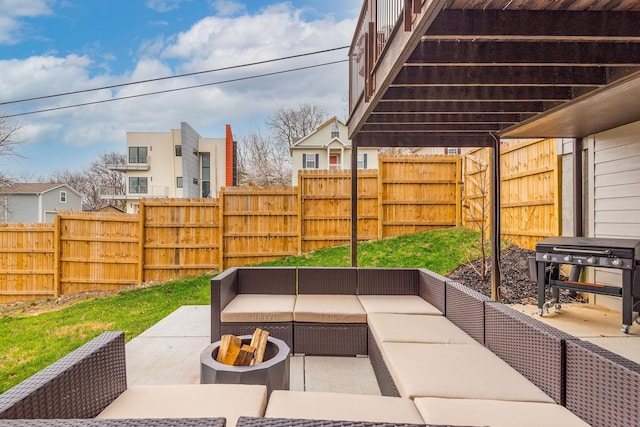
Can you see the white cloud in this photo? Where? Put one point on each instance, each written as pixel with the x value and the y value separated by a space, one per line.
pixel 227 7
pixel 213 42
pixel 13 14
pixel 164 5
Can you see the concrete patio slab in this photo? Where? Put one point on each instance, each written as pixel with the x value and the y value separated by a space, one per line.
pixel 169 353
pixel 582 320
pixel 340 374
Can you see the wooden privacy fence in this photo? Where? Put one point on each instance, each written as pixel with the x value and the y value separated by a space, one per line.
pixel 530 191
pixel 172 238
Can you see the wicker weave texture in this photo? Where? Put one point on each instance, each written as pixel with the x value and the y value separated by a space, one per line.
pixel 432 288
pixel 387 281
pixel 224 288
pixel 292 422
pixel 267 280
pixel 330 339
pixel 79 385
pixel 602 388
pixel 280 330
pixel 327 281
pixel 383 376
pixel 531 347
pixel 465 308
pixel 140 422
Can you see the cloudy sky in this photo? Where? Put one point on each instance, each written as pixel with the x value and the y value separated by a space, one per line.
pixel 49 47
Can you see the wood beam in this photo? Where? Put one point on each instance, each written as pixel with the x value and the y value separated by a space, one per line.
pixel 434 127
pixel 476 52
pixel 539 25
pixel 484 93
pixel 424 140
pixel 444 118
pixel 501 76
pixel 516 107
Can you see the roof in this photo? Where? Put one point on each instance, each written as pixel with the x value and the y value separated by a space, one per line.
pixel 37 188
pixel 470 71
pixel 325 124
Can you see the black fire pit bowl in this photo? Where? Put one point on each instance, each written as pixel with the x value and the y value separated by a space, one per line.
pixel 272 372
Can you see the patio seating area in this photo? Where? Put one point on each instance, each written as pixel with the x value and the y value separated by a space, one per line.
pixel 428 369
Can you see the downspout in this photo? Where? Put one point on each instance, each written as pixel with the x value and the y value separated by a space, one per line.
pixel 39 207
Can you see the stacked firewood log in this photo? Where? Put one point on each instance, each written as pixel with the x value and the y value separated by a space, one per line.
pixel 233 352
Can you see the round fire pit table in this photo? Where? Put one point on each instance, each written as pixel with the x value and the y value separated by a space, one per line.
pixel 272 372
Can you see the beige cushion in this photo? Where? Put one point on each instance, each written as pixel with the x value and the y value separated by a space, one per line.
pixel 329 309
pixel 407 304
pixel 495 413
pixel 341 407
pixel 259 308
pixel 416 328
pixel 189 401
pixel 456 371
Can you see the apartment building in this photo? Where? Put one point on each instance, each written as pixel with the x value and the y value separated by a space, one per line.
pixel 176 164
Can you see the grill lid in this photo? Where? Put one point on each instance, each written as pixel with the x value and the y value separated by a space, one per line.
pixel 627 248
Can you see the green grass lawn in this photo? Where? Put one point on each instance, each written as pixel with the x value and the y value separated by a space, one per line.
pixel 29 343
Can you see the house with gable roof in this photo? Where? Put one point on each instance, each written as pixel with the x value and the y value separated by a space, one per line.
pixel 37 202
pixel 328 148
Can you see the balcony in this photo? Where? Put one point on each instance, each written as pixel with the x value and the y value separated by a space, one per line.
pixel 140 165
pixel 444 73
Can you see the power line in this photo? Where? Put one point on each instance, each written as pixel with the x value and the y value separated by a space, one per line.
pixel 64 107
pixel 157 79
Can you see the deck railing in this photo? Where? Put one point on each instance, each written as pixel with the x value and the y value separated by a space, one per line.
pixel 378 20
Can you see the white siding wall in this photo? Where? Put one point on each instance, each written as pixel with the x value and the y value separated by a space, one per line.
pixel 614 197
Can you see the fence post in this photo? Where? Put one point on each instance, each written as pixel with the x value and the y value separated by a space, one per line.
pixel 56 256
pixel 380 207
pixel 222 229
pixel 141 237
pixel 458 182
pixel 300 211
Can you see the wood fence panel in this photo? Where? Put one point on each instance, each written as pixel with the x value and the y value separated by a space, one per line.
pixel 325 212
pixel 259 224
pixel 419 193
pixel 27 260
pixel 98 252
pixel 181 238
pixel 530 199
pixel 530 191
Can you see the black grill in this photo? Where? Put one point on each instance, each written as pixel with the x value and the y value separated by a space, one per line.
pixel 579 252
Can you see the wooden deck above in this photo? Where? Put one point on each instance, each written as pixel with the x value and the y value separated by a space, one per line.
pixel 466 72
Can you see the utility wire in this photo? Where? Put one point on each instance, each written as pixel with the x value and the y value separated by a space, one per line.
pixel 157 79
pixel 64 107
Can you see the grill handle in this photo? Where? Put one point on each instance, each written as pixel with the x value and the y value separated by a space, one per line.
pixel 582 251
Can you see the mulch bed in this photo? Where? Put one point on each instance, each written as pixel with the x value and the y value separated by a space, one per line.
pixel 516 287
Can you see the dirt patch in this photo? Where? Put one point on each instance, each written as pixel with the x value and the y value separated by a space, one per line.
pixel 33 308
pixel 516 286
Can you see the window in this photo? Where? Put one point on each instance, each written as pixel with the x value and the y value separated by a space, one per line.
pixel 138 185
pixel 178 150
pixel 452 151
pixel 195 181
pixel 205 174
pixel 309 161
pixel 178 182
pixel 362 161
pixel 63 197
pixel 335 130
pixel 137 154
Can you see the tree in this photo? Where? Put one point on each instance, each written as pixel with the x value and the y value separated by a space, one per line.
pixel 9 141
pixel 262 161
pixel 291 124
pixel 95 181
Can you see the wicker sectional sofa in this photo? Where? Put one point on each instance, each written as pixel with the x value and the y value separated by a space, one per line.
pixel 465 351
pixel 442 353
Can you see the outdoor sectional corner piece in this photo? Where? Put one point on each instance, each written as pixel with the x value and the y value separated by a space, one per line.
pixel 89 387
